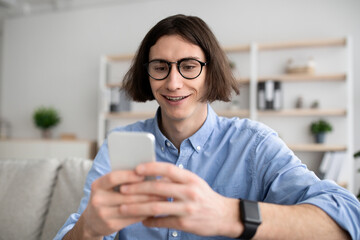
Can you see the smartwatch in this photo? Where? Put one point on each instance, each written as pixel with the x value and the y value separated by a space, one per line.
pixel 250 217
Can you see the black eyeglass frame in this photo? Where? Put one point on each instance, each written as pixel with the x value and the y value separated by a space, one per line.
pixel 202 64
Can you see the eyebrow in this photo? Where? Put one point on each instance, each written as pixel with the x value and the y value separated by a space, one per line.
pixel 161 59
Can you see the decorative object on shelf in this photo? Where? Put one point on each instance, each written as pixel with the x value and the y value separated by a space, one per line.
pixel 315 104
pixel 261 96
pixel 269 95
pixel 4 129
pixel 119 101
pixel 319 129
pixel 300 67
pixel 277 96
pixel 46 118
pixel 331 165
pixel 357 155
pixel 299 102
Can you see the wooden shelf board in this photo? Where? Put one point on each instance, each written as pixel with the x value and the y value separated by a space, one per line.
pixel 234 113
pixel 316 147
pixel 282 78
pixel 303 44
pixel 303 112
pixel 243 81
pixel 117 58
pixel 305 77
pixel 113 85
pixel 239 48
pixel 129 115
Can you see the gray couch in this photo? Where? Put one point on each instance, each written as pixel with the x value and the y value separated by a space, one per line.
pixel 38 195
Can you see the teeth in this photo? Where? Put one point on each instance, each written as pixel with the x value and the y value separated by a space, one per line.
pixel 175 98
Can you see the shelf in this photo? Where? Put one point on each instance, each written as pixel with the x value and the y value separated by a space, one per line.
pixel 282 78
pixel 303 44
pixel 118 58
pixel 113 85
pixel 242 113
pixel 303 112
pixel 305 77
pixel 239 48
pixel 251 52
pixel 144 115
pixel 241 81
pixel 316 147
pixel 129 115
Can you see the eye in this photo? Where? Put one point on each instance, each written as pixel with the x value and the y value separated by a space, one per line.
pixel 158 66
pixel 189 65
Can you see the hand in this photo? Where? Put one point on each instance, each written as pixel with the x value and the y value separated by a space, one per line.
pixel 102 216
pixel 196 207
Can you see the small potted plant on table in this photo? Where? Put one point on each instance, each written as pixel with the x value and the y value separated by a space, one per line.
pixel 46 118
pixel 319 129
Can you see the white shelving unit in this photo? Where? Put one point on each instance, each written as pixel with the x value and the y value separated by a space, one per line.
pixel 254 54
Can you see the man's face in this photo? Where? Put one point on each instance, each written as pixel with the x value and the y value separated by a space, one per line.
pixel 178 97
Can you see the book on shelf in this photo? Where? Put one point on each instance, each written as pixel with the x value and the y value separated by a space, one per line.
pixel 330 166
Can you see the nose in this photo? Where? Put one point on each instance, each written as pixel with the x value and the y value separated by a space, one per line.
pixel 174 80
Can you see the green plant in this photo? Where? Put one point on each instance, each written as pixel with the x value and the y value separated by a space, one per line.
pixel 320 126
pixel 46 117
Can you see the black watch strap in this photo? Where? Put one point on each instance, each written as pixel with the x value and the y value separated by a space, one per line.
pixel 250 217
pixel 249 230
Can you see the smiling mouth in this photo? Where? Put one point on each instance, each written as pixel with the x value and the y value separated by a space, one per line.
pixel 175 99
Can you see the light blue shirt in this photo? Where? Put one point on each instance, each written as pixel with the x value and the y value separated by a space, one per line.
pixel 238 158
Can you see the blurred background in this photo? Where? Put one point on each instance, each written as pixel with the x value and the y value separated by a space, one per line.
pixel 55 53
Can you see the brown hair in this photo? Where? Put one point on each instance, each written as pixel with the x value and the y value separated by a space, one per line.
pixel 219 79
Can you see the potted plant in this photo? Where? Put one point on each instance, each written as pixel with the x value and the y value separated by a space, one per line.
pixel 319 128
pixel 46 118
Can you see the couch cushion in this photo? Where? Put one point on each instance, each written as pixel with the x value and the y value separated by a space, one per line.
pixel 67 194
pixel 25 189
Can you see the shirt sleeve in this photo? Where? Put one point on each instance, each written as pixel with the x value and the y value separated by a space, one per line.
pixel 100 167
pixel 283 179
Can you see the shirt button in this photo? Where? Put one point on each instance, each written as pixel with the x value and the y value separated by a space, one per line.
pixel 198 148
pixel 181 166
pixel 162 148
pixel 174 234
pixel 168 144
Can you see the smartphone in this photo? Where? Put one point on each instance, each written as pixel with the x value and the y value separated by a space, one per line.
pixel 129 149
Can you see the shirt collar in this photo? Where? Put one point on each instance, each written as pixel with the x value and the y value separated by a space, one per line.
pixel 197 140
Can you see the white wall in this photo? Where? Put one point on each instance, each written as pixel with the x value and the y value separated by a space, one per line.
pixel 53 59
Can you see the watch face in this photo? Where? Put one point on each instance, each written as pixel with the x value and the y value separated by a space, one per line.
pixel 252 213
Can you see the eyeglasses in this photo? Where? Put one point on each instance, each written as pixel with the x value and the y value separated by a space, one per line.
pixel 189 68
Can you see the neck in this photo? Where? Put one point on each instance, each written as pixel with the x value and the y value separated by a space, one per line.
pixel 179 130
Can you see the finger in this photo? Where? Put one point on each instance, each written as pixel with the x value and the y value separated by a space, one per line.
pixel 115 178
pixel 159 188
pixel 166 170
pixel 113 213
pixel 159 208
pixel 109 198
pixel 163 222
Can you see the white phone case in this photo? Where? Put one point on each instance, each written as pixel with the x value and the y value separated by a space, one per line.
pixel 129 149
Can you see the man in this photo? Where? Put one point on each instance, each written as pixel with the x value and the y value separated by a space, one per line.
pixel 218 177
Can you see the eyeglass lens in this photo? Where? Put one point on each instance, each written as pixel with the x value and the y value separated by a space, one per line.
pixel 188 68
